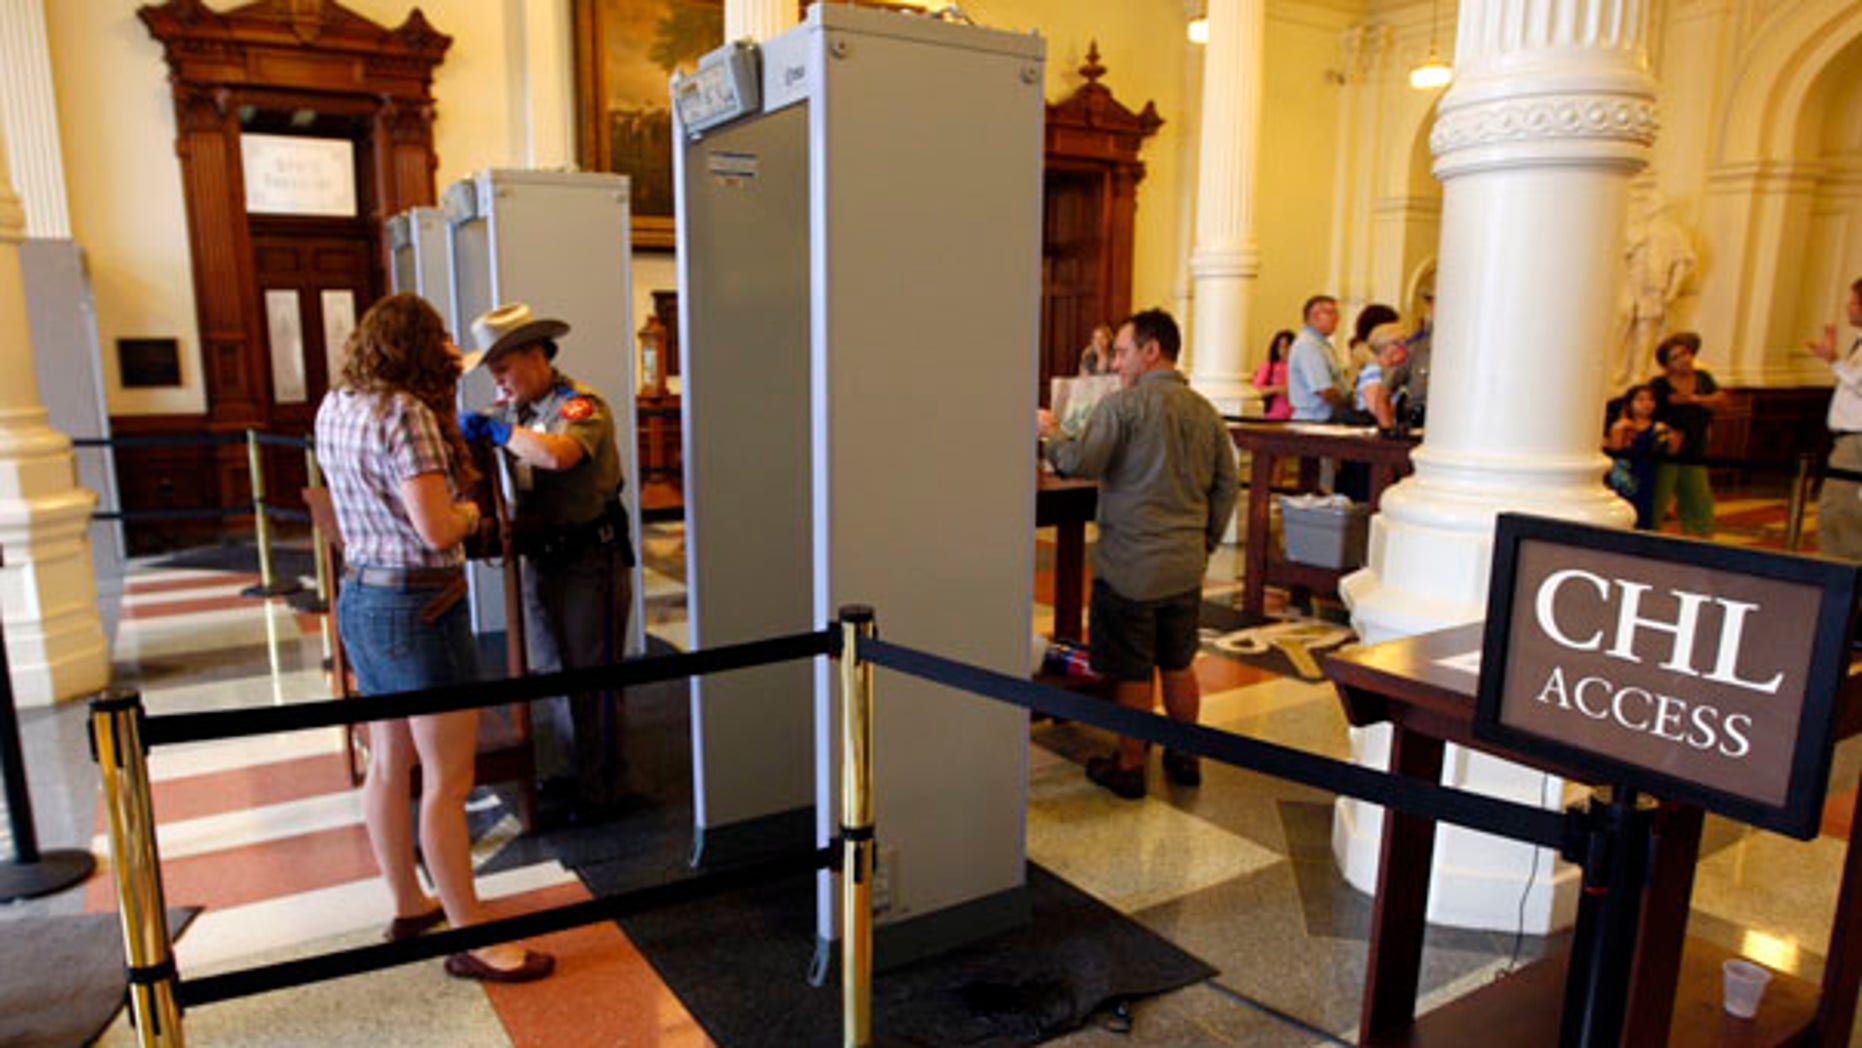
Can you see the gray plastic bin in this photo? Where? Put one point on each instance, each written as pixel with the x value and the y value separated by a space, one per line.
pixel 1326 536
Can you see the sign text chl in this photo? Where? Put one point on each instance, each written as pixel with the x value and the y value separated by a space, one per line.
pixel 1668 641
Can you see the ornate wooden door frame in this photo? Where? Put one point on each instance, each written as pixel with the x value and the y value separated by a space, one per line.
pixel 281 54
pixel 1093 133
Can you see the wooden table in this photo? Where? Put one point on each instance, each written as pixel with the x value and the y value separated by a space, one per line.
pixel 1267 444
pixel 1675 982
pixel 1066 505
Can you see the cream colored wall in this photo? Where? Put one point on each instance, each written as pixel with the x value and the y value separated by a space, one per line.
pixel 124 184
pixel 1143 46
pixel 1299 135
pixel 124 181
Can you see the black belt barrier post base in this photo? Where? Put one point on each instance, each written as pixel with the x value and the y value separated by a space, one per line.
pixel 32 873
pixel 1615 854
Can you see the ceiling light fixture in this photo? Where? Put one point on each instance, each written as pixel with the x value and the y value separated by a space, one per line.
pixel 1433 73
pixel 1199 30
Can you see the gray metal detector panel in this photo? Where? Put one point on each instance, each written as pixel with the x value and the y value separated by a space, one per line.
pixel 62 317
pixel 926 226
pixel 744 337
pixel 561 242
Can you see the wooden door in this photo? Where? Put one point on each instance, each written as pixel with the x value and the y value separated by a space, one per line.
pixel 314 281
pixel 1073 263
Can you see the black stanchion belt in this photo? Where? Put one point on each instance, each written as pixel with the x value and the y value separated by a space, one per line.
pixel 1504 818
pixel 265 978
pixel 285 513
pixel 280 440
pixel 264 720
pixel 173 514
pixel 179 440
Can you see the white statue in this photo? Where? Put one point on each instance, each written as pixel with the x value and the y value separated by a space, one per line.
pixel 1656 264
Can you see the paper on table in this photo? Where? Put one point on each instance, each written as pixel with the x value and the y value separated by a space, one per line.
pixel 1466 662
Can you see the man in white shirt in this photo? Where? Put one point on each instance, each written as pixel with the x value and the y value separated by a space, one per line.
pixel 1839 508
pixel 1312 367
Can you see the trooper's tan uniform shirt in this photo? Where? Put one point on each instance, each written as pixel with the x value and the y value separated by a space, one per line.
pixel 575 496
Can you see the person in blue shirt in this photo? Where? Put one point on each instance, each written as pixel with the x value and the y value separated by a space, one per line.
pixel 1312 369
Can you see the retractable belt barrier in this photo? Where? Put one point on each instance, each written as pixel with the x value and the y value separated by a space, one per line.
pixel 1599 837
pixel 260 510
pixel 1475 811
pixel 122 734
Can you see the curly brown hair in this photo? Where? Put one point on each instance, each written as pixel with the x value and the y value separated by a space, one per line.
pixel 400 346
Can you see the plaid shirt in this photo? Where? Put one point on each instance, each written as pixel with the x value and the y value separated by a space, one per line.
pixel 367 444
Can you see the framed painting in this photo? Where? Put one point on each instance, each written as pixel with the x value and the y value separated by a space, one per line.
pixel 626 52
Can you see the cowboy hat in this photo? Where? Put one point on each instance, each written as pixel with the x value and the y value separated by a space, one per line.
pixel 512 326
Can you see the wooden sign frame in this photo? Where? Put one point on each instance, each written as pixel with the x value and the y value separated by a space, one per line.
pixel 1821 605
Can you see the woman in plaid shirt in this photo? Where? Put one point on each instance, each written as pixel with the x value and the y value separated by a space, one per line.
pixel 389 443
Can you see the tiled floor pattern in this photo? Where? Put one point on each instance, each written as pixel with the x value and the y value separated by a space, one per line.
pixel 266 834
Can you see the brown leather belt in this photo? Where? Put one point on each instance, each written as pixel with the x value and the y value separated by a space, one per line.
pixel 407 578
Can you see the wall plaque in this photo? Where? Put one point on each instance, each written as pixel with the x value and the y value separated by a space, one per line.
pixel 148 363
pixel 1696 672
pixel 297 175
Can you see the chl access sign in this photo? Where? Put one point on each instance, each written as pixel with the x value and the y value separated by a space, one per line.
pixel 1695 672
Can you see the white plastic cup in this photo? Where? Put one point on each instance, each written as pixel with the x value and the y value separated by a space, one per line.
pixel 1745 984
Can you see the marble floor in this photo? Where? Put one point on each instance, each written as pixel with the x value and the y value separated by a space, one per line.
pixel 265 835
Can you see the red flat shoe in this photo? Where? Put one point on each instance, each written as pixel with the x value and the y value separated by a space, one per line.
pixel 408 927
pixel 536 966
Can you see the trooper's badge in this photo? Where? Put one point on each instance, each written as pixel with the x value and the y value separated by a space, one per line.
pixel 577 408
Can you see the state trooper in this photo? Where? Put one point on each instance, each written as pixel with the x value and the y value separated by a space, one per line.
pixel 571 530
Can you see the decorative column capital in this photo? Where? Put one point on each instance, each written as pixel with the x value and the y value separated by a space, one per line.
pixel 1606 128
pixel 1362 48
pixel 1535 84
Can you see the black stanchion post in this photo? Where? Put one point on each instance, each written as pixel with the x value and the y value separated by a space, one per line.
pixel 856 828
pixel 32 872
pixel 1616 863
pixel 135 867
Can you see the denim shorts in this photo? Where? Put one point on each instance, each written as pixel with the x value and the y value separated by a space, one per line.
pixel 1129 637
pixel 391 649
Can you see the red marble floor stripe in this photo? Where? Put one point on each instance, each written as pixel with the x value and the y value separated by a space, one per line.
pixel 169 608
pixel 139 587
pixel 256 872
pixel 603 994
pixel 254 787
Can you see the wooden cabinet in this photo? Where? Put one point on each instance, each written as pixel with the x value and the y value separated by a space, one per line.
pixel 1089 211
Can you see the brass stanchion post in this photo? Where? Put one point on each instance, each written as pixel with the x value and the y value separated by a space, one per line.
pixel 135 868
pixel 255 466
pixel 268 586
pixel 321 556
pixel 856 829
pixel 1800 495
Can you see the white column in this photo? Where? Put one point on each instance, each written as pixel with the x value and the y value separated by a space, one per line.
pixel 29 117
pixel 757 19
pixel 1552 112
pixel 1226 259
pixel 48 593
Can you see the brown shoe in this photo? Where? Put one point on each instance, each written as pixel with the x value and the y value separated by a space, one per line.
pixel 407 927
pixel 1105 773
pixel 1184 769
pixel 536 966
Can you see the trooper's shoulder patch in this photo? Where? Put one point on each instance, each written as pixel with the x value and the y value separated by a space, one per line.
pixel 575 409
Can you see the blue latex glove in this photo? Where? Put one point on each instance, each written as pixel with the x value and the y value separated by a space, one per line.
pixel 476 425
